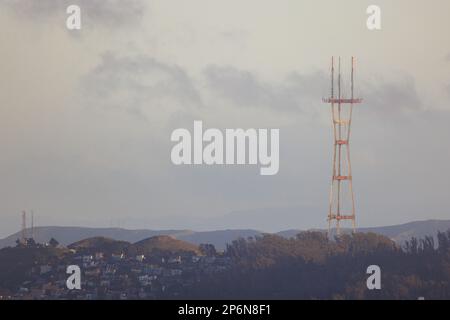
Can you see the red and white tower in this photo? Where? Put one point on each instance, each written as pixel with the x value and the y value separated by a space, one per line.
pixel 342 201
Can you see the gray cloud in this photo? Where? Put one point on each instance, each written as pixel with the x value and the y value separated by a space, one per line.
pixel 139 84
pixel 303 92
pixel 295 93
pixel 447 59
pixel 112 13
pixel 395 97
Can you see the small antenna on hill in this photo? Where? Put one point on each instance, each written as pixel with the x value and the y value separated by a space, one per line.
pixel 32 224
pixel 24 227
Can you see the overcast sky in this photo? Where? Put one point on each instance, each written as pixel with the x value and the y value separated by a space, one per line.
pixel 86 116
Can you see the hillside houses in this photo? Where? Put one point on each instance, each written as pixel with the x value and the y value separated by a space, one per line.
pixel 120 275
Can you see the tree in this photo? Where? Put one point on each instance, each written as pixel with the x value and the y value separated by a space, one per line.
pixel 208 249
pixel 31 243
pixel 53 243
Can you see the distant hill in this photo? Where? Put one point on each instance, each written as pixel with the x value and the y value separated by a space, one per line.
pixel 417 229
pixel 219 238
pixel 69 235
pixel 398 233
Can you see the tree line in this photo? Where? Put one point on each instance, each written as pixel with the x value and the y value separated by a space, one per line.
pixel 312 266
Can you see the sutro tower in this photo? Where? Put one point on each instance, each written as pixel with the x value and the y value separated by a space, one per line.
pixel 342 202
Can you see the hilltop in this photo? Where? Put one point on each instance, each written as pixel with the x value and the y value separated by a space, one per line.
pixel 163 243
pixel 102 244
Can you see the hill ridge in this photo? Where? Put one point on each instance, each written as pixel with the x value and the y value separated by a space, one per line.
pixel 68 235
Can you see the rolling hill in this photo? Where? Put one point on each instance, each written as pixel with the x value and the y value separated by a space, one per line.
pixel 70 235
pixel 146 246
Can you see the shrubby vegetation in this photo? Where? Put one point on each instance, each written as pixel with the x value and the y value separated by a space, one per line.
pixel 312 267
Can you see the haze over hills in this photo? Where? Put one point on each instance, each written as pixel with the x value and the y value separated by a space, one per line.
pixel 399 233
pixel 219 238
